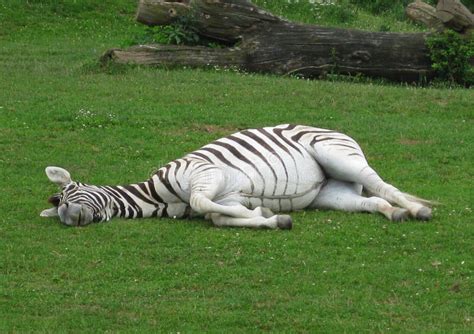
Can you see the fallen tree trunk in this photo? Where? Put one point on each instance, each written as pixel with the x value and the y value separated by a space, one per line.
pixel 424 14
pixel 447 14
pixel 261 42
pixel 455 15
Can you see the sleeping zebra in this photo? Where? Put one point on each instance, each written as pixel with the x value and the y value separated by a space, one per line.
pixel 243 180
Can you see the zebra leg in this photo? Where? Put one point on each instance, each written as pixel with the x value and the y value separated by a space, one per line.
pixel 345 196
pixel 280 221
pixel 345 161
pixel 203 204
pixel 375 185
pixel 205 187
pixel 238 215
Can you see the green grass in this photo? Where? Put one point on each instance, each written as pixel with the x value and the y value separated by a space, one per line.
pixel 334 272
pixel 383 15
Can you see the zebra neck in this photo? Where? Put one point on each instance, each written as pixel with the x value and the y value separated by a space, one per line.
pixel 137 200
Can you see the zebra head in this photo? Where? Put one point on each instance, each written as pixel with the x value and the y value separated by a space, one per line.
pixel 77 204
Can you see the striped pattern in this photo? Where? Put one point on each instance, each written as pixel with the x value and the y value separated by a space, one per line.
pixel 273 167
pixel 115 201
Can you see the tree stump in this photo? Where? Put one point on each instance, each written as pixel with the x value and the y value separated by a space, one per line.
pixel 258 41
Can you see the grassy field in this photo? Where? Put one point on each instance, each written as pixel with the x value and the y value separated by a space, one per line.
pixel 334 272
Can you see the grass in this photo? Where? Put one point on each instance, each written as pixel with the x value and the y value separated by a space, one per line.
pixel 334 272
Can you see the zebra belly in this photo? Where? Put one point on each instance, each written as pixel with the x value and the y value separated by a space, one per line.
pixel 285 204
pixel 294 189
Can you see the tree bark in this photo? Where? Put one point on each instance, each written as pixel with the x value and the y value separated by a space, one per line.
pixel 455 15
pixel 262 42
pixel 450 14
pixel 425 14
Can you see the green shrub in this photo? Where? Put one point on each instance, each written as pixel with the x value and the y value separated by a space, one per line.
pixel 180 32
pixel 171 34
pixel 450 55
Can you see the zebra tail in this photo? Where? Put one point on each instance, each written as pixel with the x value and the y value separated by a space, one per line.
pixel 422 201
pixel 409 197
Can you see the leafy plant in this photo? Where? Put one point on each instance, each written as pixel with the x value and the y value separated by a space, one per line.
pixel 171 34
pixel 180 32
pixel 450 55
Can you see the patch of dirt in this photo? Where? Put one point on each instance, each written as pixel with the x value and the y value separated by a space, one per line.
pixel 210 128
pixel 206 128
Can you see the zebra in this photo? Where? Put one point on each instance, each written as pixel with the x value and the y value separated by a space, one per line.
pixel 251 178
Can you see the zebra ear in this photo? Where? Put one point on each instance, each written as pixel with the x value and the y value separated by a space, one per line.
pixel 52 212
pixel 58 175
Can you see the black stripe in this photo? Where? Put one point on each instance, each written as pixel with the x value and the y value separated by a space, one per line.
pixel 100 198
pixel 257 153
pixel 117 198
pixel 239 156
pixel 269 149
pixel 203 156
pixel 163 176
pixel 302 133
pixel 103 195
pixel 164 212
pixel 129 201
pixel 131 213
pixel 254 151
pixel 137 194
pixel 154 194
pixel 187 165
pixel 176 168
pixel 143 187
pixel 316 140
pixel 263 131
pixel 94 197
pixel 273 139
pixel 344 145
pixel 278 132
pixel 221 157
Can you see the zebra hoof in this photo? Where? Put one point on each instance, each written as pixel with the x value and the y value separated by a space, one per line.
pixel 284 222
pixel 400 215
pixel 424 214
pixel 266 212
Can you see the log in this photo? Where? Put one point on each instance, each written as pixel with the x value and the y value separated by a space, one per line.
pixel 177 55
pixel 424 14
pixel 455 15
pixel 150 14
pixel 258 41
pixel 450 14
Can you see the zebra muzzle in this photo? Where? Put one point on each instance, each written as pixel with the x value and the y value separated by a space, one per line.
pixel 73 214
